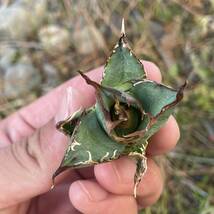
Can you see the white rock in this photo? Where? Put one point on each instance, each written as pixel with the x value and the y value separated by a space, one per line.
pixel 54 39
pixel 13 21
pixel 87 39
pixel 19 79
pixel 7 56
pixel 21 19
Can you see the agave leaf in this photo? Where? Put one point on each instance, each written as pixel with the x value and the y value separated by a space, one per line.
pixel 154 97
pixel 122 66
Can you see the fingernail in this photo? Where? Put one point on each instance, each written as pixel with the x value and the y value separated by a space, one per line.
pixel 91 190
pixel 70 103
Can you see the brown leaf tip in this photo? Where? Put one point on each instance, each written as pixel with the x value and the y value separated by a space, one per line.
pixel 181 91
pixel 89 81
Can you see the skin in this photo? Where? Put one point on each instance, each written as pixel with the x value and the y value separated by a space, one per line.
pixel 31 150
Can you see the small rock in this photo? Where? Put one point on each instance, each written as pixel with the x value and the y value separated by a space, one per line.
pixel 20 20
pixel 55 39
pixel 87 39
pixel 8 55
pixel 19 79
pixel 12 19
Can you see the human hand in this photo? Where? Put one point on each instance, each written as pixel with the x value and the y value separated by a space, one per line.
pixel 31 149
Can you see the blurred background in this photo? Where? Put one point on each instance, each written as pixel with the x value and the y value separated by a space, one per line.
pixel 44 42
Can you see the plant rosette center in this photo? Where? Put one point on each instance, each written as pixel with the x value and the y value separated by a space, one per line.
pixel 129 116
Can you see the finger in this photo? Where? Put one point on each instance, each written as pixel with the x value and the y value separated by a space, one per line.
pixel 48 201
pixel 118 177
pixel 35 115
pixel 89 198
pixel 165 139
pixel 29 165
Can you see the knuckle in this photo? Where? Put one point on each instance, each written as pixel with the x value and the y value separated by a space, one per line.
pixel 28 154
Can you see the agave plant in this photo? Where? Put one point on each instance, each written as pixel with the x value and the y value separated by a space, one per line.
pixel 129 109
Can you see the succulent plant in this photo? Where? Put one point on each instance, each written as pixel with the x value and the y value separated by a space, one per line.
pixel 129 109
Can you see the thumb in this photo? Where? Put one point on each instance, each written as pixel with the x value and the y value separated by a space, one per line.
pixel 26 168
